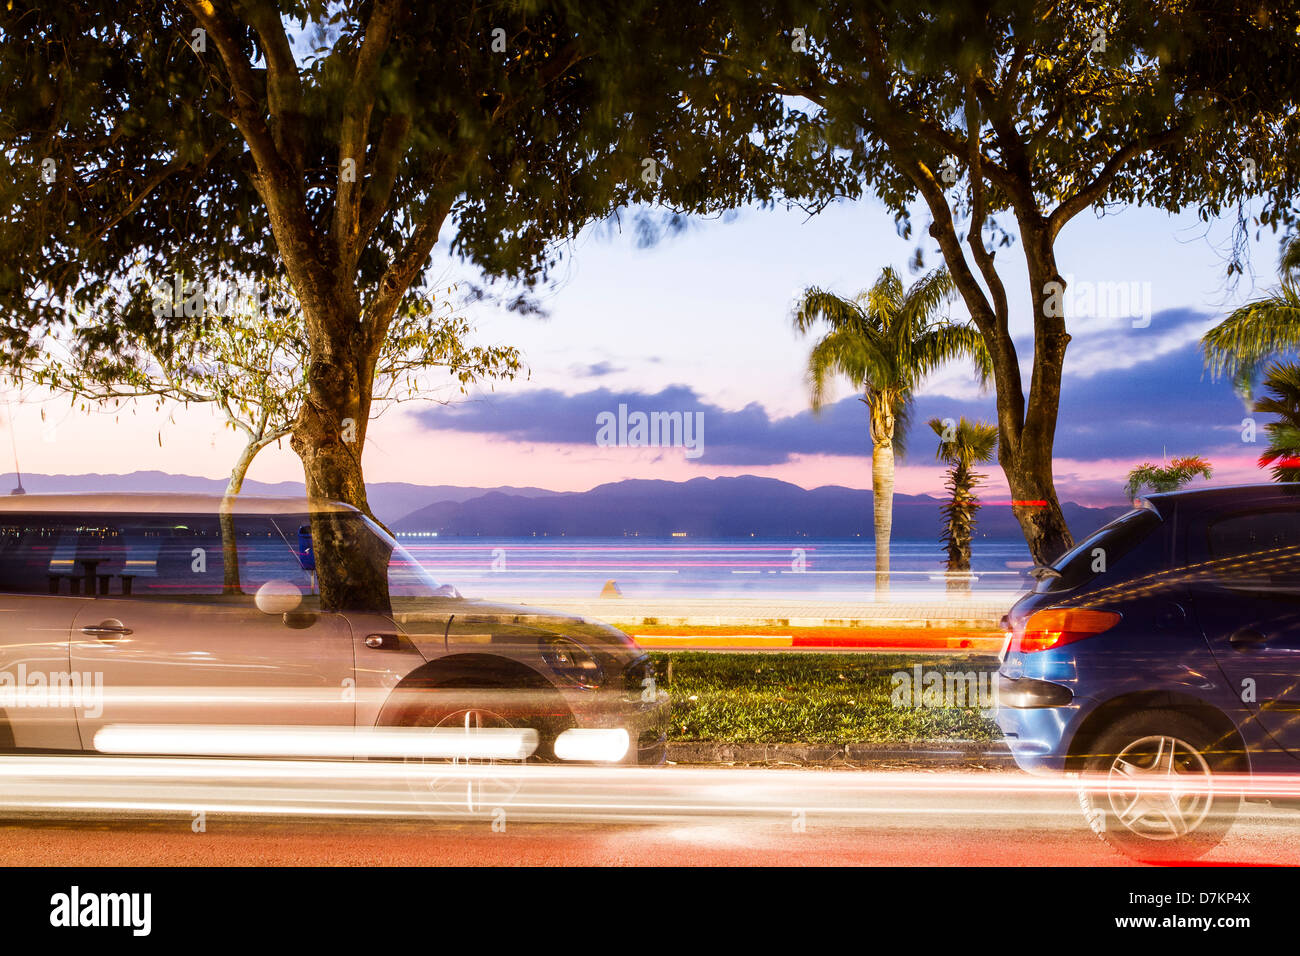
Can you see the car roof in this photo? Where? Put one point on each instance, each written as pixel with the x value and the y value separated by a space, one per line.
pixel 163 503
pixel 1191 501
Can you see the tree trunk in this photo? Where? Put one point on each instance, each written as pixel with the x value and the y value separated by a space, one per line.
pixel 958 531
pixel 1026 426
pixel 882 504
pixel 229 543
pixel 1029 475
pixel 880 419
pixel 328 436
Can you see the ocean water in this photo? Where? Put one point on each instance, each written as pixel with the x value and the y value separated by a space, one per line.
pixel 714 568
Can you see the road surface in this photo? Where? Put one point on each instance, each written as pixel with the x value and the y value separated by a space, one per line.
pixel 91 811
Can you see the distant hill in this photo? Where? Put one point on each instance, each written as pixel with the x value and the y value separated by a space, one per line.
pixel 389 499
pixel 712 508
pixel 702 507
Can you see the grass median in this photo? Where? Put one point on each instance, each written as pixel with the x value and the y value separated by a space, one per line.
pixel 815 698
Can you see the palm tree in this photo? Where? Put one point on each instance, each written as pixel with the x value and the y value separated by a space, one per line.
pixel 1241 344
pixel 885 341
pixel 962 446
pixel 1168 477
pixel 1282 383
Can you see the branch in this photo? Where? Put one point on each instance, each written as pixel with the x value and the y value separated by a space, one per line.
pixel 979 212
pixel 354 129
pixel 401 272
pixel 247 114
pixel 284 85
pixel 388 157
pixel 1084 197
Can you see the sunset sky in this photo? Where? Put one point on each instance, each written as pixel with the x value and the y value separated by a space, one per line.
pixel 701 322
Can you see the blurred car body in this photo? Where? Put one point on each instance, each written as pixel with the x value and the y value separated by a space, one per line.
pixel 1162 656
pixel 186 611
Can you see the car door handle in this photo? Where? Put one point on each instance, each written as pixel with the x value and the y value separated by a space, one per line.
pixel 1246 637
pixel 109 631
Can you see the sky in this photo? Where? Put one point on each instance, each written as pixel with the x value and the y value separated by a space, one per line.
pixel 699 323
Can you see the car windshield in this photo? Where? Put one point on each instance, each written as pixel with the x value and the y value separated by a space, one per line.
pixel 407 577
pixel 1113 541
pixel 370 569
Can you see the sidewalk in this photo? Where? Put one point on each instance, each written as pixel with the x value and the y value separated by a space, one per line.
pixel 798 624
pixel 735 612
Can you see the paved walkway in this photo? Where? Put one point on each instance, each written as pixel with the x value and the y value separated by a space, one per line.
pixel 734 612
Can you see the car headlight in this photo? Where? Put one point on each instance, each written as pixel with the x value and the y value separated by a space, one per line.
pixel 572 662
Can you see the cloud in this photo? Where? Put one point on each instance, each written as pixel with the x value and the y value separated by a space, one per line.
pixel 595 370
pixel 1130 394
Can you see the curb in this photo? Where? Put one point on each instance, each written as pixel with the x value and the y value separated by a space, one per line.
pixel 937 753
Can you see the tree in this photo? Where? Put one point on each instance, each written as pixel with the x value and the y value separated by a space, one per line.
pixel 328 141
pixel 248 356
pixel 884 341
pixel 962 444
pixel 1239 346
pixel 1282 398
pixel 248 359
pixel 1015 111
pixel 1168 477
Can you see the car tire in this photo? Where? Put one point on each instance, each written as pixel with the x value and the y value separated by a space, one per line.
pixel 1149 786
pixel 437 792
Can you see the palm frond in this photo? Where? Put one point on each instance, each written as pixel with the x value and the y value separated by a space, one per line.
pixel 903 407
pixel 1240 345
pixel 883 299
pixel 816 306
pixel 926 298
pixel 970 442
pixel 944 343
pixel 843 352
pixel 1289 265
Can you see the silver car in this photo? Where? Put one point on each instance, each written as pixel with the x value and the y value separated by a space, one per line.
pixel 172 624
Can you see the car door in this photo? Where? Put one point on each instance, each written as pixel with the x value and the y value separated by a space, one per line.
pixel 1246 594
pixel 174 630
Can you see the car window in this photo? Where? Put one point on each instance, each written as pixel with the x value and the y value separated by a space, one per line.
pixel 34 551
pixel 171 557
pixel 1115 540
pixel 1261 545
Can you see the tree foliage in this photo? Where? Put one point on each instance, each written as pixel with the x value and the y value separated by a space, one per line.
pixel 962 444
pixel 1168 477
pixel 884 342
pixel 1282 398
pixel 1240 345
pixel 1000 120
pixel 245 352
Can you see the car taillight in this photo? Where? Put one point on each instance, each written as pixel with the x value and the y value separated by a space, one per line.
pixel 1057 627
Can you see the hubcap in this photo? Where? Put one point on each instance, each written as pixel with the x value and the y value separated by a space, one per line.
pixel 475 793
pixel 1160 787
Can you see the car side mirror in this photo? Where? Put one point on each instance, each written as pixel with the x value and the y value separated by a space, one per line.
pixel 278 596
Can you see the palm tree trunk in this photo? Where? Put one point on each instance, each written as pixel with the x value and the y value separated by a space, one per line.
pixel 882 504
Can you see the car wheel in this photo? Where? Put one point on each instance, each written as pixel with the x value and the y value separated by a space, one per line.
pixel 477 788
pixel 1153 787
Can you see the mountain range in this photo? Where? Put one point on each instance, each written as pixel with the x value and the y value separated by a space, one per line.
pixel 390 500
pixel 738 507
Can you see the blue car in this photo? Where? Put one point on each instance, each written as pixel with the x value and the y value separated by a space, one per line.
pixel 1160 659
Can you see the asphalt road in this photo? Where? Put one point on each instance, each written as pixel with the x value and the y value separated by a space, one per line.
pixel 336 843
pixel 134 812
